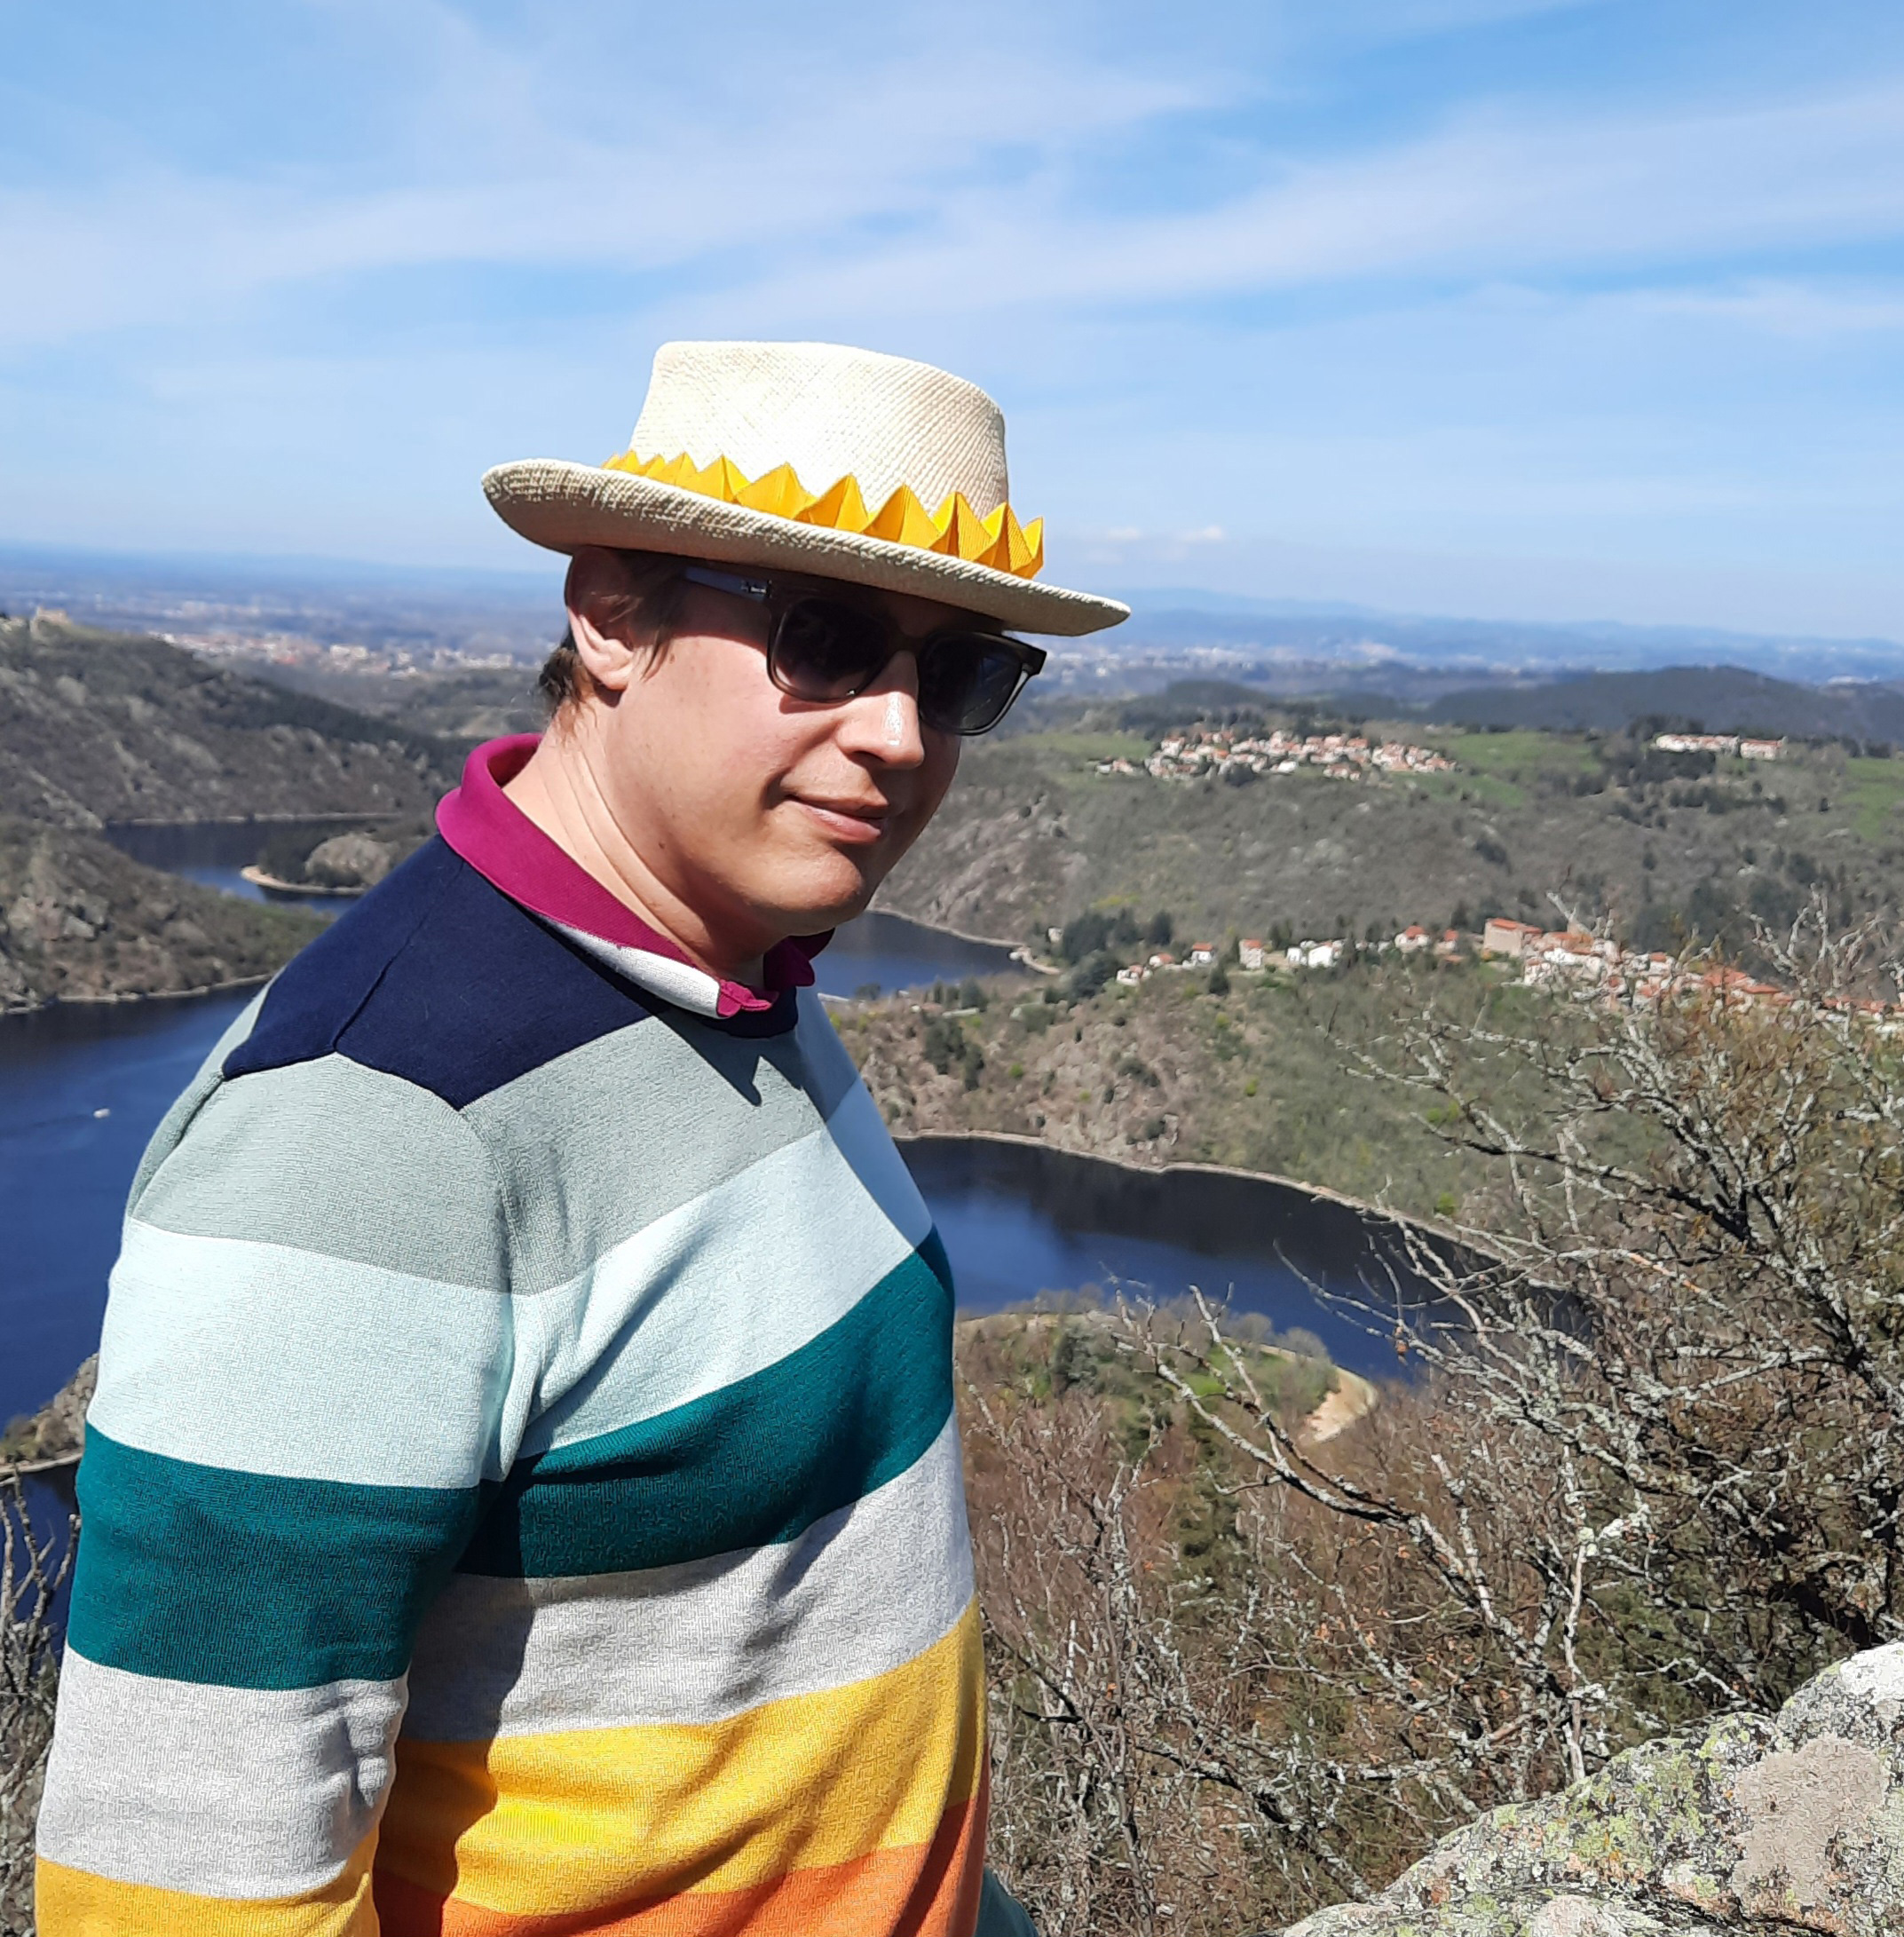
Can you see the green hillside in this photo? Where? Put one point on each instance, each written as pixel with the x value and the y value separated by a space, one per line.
pixel 1033 833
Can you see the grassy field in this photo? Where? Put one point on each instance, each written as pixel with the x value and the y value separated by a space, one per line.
pixel 1874 799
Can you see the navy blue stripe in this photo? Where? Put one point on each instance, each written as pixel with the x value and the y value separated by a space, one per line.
pixel 436 976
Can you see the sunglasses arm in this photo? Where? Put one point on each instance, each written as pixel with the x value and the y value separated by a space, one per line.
pixel 757 590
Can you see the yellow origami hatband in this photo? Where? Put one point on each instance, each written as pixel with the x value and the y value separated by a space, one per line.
pixel 997 540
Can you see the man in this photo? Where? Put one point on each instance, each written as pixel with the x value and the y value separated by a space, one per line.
pixel 523 1492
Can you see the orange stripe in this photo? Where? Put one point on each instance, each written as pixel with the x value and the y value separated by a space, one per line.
pixel 930 1890
pixel 561 1824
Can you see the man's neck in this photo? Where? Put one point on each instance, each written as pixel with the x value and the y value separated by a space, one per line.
pixel 556 788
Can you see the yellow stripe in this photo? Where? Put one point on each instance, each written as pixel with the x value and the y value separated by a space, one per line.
pixel 72 1903
pixel 551 1825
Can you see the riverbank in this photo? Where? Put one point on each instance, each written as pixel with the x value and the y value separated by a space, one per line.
pixel 52 1439
pixel 308 890
pixel 80 923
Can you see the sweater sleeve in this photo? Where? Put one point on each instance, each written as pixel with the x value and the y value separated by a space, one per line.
pixel 304 1378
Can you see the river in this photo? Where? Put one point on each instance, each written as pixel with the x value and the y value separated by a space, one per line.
pixel 83 1088
pixel 878 953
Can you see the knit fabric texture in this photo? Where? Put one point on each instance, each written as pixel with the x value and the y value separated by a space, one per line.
pixel 523 1493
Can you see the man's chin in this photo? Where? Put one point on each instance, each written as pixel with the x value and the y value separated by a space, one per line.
pixel 818 904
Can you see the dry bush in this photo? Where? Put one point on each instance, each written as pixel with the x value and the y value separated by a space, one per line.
pixel 33 1569
pixel 1647 1466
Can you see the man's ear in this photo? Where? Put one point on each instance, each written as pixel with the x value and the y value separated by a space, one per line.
pixel 603 617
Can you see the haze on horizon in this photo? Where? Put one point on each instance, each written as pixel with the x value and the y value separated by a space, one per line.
pixel 1542 308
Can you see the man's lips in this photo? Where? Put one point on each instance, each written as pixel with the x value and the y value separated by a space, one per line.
pixel 860 821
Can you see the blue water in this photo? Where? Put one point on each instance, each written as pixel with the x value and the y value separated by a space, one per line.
pixel 83 1088
pixel 878 953
pixel 888 953
pixel 215 854
pixel 1019 1219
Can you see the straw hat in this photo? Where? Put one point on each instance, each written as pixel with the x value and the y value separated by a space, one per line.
pixel 820 459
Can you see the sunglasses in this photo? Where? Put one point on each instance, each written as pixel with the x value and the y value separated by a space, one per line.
pixel 825 650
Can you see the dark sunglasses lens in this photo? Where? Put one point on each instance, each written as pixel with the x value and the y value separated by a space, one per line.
pixel 825 649
pixel 965 682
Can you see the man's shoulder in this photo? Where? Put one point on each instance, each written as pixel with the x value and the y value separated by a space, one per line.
pixel 441 979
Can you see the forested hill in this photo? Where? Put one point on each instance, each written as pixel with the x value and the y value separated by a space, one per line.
pixel 1705 699
pixel 100 726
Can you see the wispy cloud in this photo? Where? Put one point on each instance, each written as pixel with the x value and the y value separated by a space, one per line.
pixel 937 184
pixel 773 162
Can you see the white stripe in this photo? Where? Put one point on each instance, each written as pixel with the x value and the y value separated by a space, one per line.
pixel 266 1359
pixel 221 1793
pixel 728 1284
pixel 859 1594
pixel 677 982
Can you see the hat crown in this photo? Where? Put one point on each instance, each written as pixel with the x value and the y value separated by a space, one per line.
pixel 830 412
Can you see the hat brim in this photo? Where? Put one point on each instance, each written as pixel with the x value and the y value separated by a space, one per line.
pixel 563 506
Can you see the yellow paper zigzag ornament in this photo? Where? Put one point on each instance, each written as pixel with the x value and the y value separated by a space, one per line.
pixel 997 540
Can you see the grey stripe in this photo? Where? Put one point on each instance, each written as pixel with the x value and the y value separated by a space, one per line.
pixel 175 1122
pixel 596 1144
pixel 859 1594
pixel 221 1793
pixel 330 1157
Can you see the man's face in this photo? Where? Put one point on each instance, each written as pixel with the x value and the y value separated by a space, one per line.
pixel 769 815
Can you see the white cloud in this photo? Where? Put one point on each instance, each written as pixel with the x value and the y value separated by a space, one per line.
pixel 929 181
pixel 1492 194
pixel 515 166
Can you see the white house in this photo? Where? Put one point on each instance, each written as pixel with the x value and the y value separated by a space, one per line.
pixel 1316 954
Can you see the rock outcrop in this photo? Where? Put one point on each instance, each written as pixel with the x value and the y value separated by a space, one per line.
pixel 80 923
pixel 350 860
pixel 1790 1822
pixel 58 1430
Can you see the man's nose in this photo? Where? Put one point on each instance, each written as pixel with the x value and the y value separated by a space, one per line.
pixel 883 720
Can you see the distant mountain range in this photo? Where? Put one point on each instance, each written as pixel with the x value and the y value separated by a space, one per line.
pixel 382 607
pixel 1703 698
pixel 1284 630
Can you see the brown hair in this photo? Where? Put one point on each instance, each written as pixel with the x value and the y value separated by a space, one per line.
pixel 649 601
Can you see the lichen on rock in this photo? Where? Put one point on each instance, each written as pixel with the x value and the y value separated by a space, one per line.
pixel 1793 1821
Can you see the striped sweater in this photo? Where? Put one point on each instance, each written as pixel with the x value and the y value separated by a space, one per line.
pixel 523 1492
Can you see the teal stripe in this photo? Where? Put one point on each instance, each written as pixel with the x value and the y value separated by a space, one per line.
pixel 252 1581
pixel 753 1465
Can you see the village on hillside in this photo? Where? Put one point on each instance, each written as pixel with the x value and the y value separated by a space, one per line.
pixel 1568 960
pixel 1198 755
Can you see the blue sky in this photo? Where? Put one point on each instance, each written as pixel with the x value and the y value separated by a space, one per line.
pixel 1494 307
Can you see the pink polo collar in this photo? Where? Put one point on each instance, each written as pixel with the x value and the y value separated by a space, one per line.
pixel 503 845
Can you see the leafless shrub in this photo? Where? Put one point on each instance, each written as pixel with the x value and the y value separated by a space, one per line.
pixel 33 1568
pixel 1647 1466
